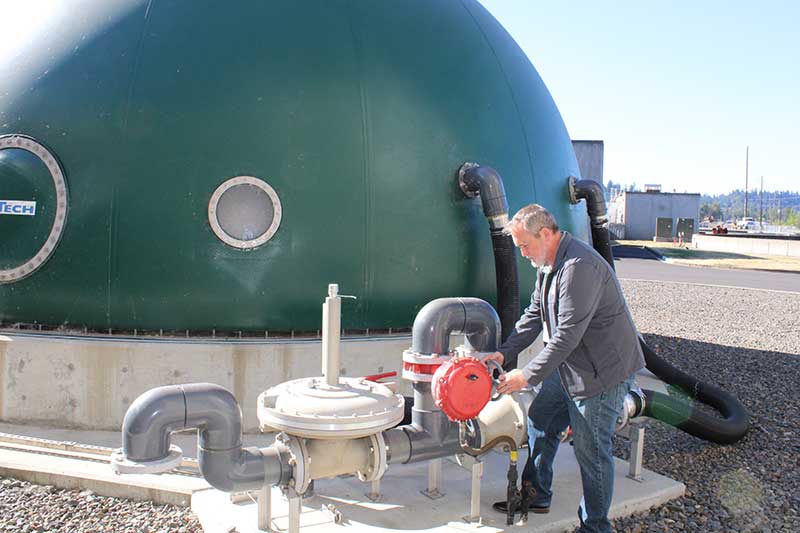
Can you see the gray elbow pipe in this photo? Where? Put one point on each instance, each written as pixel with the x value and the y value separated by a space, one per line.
pixel 477 180
pixel 430 434
pixel 215 413
pixel 441 317
pixel 149 422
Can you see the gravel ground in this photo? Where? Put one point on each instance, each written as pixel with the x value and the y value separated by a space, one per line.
pixel 745 341
pixel 25 507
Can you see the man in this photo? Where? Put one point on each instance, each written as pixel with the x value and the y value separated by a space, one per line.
pixel 591 354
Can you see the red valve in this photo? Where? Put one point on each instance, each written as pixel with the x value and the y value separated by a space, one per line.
pixel 462 387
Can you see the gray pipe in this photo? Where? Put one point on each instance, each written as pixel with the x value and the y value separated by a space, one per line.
pixel 439 318
pixel 215 413
pixel 431 434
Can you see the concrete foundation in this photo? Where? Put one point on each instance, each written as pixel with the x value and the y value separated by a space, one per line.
pixel 403 506
pixel 89 382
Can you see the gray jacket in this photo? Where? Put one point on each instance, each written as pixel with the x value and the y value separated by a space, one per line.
pixel 593 340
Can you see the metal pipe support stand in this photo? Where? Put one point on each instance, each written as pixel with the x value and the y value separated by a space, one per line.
pixel 295 506
pixel 636 438
pixel 264 507
pixel 434 490
pixel 374 493
pixel 475 494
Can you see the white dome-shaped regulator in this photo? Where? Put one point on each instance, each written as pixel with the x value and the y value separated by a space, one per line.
pixel 330 407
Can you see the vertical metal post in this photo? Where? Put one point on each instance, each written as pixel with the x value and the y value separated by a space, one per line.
pixel 295 505
pixel 746 177
pixel 434 479
pixel 636 436
pixel 374 493
pixel 475 496
pixel 264 506
pixel 331 334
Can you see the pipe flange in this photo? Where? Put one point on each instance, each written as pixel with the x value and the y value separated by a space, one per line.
pixel 122 465
pixel 300 462
pixel 419 367
pixel 379 459
pixel 468 190
pixel 632 406
pixel 573 191
pixel 638 402
pixel 410 356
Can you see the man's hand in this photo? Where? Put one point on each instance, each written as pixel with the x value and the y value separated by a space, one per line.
pixel 512 382
pixel 496 356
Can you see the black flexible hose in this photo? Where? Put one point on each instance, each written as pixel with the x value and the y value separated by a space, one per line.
pixel 505 267
pixel 684 415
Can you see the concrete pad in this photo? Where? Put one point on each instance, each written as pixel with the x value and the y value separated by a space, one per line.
pixel 39 466
pixel 113 439
pixel 403 507
pixel 97 476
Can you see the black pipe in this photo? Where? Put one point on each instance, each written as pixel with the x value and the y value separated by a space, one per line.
pixel 592 192
pixel 476 180
pixel 682 414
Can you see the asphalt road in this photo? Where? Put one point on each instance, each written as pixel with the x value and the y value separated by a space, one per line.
pixel 650 269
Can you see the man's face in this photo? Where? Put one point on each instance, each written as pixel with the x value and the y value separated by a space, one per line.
pixel 532 247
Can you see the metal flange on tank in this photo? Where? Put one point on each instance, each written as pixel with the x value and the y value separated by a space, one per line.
pixel 336 420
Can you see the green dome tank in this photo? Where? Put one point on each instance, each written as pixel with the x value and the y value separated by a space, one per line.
pixel 194 165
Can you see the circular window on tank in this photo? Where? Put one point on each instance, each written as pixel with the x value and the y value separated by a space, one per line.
pixel 33 206
pixel 244 212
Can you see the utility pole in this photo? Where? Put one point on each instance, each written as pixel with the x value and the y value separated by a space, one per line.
pixel 761 206
pixel 746 172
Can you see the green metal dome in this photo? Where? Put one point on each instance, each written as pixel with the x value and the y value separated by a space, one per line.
pixel 222 164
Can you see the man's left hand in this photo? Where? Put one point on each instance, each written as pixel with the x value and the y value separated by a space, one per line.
pixel 512 382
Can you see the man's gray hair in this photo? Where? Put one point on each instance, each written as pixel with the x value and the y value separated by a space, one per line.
pixel 532 218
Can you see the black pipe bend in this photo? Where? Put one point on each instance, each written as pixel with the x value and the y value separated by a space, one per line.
pixel 486 182
pixel 592 192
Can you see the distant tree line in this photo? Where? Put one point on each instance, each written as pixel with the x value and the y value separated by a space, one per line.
pixel 775 206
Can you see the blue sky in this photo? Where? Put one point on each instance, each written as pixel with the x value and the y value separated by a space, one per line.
pixel 676 89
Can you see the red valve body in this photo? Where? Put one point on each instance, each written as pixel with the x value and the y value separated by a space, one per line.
pixel 462 387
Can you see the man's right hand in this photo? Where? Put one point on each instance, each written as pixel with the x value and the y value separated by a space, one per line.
pixel 496 356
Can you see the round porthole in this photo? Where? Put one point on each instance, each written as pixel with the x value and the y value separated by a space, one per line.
pixel 244 212
pixel 33 206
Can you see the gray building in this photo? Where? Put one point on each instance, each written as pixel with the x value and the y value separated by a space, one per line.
pixel 662 215
pixel 590 159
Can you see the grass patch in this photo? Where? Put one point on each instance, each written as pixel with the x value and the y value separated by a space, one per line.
pixel 686 255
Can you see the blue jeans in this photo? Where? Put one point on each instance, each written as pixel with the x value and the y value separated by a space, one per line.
pixel 593 421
